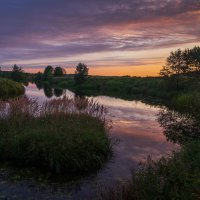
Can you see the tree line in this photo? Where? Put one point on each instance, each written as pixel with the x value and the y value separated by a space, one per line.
pixel 17 74
pixel 80 75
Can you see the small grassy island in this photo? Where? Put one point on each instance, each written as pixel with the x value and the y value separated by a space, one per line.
pixel 58 136
pixel 9 88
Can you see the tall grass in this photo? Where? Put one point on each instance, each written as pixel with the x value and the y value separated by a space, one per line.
pixel 60 135
pixel 176 177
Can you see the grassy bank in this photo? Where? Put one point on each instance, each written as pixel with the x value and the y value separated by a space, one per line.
pixel 62 135
pixel 9 88
pixel 152 90
pixel 126 87
pixel 176 177
pixel 123 87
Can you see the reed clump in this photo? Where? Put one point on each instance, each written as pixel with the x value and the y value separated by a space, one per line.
pixel 59 136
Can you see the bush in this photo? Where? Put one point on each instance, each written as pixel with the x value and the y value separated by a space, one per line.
pixel 9 88
pixel 188 102
pixel 62 135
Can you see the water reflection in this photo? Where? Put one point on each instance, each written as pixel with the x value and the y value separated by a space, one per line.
pixel 49 91
pixel 179 128
pixel 58 92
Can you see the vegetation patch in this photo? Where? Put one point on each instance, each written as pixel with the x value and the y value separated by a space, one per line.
pixel 9 88
pixel 58 136
pixel 175 177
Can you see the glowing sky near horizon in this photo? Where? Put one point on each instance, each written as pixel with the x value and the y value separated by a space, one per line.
pixel 113 37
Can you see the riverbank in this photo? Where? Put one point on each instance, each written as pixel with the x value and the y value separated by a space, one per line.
pixel 174 177
pixel 151 90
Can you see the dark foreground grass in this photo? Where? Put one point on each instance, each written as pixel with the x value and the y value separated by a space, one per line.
pixel 59 136
pixel 176 177
pixel 9 88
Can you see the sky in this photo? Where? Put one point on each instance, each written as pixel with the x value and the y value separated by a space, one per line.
pixel 113 37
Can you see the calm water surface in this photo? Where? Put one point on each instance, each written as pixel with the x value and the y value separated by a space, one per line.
pixel 139 135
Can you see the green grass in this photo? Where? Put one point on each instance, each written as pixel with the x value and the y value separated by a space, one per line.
pixel 61 136
pixel 176 177
pixel 9 88
pixel 188 102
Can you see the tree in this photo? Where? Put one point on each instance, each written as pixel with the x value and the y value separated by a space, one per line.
pixel 81 73
pixel 59 71
pixel 176 66
pixel 48 73
pixel 17 74
pixel 192 57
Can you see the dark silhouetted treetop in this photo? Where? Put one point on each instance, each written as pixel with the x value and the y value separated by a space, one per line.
pixel 59 71
pixel 17 74
pixel 192 57
pixel 182 62
pixel 48 73
pixel 175 64
pixel 81 73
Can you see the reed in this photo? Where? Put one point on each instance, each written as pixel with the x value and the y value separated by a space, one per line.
pixel 60 136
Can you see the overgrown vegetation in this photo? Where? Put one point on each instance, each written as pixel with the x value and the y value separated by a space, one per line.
pixel 9 88
pixel 176 177
pixel 62 135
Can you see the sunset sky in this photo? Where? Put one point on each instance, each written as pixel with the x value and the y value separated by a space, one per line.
pixel 113 37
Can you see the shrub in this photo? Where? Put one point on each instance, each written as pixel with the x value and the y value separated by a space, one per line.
pixel 9 88
pixel 61 135
pixel 188 102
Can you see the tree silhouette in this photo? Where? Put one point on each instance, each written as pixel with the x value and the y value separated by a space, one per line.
pixel 59 71
pixel 192 57
pixel 81 73
pixel 17 74
pixel 48 73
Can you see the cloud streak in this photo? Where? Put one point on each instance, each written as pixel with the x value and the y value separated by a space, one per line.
pixel 46 29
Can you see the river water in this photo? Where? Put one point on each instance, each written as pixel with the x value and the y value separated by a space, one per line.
pixel 137 131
